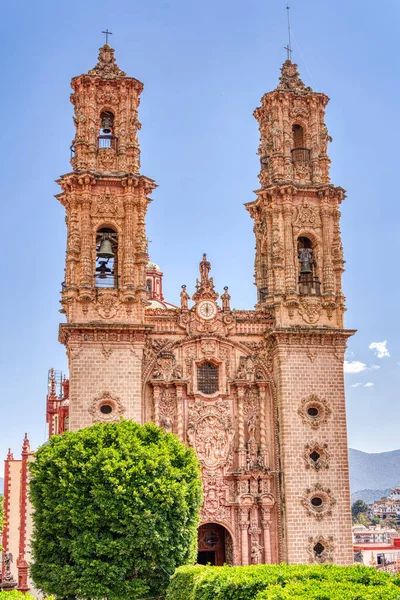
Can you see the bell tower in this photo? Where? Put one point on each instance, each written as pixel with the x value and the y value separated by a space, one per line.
pixel 299 257
pixel 104 291
pixel 298 275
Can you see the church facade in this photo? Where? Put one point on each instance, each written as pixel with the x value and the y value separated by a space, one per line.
pixel 258 393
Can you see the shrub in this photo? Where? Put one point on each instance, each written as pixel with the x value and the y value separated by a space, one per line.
pixel 115 511
pixel 330 590
pixel 15 595
pixel 248 583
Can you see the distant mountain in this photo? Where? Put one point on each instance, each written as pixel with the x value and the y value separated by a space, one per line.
pixel 1 485
pixel 375 472
pixel 369 496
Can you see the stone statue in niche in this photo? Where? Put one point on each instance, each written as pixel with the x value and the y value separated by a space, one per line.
pixel 226 305
pixel 256 553
pixel 184 298
pixel 276 134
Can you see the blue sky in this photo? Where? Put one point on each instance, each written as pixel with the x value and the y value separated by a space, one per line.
pixel 205 66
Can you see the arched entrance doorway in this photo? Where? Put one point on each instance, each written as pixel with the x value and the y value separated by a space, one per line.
pixel 214 545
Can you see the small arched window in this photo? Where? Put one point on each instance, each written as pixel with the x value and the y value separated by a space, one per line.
pixel 308 280
pixel 299 152
pixel 106 273
pixel 298 136
pixel 148 286
pixel 208 378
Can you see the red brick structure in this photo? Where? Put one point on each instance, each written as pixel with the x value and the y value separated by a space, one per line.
pixel 258 393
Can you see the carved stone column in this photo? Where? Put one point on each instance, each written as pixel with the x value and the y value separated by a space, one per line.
pixel 263 425
pixel 86 249
pixel 266 526
pixel 290 279
pixel 242 449
pixel 156 400
pixel 179 409
pixel 244 525
pixel 129 251
pixel 327 243
pixel 277 250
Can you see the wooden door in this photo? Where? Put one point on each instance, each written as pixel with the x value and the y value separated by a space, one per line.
pixel 211 548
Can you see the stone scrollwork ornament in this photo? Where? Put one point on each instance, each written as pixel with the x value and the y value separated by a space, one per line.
pixel 210 431
pixel 310 309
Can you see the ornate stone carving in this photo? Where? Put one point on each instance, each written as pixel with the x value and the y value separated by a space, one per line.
pixel 106 206
pixel 316 455
pixel 256 553
pixel 215 502
pixel 310 308
pixel 318 501
pixel 290 78
pixel 210 431
pixel 100 408
pixel 314 411
pixel 106 350
pixel 106 66
pixel 107 305
pixel 320 549
pixel 184 298
pixel 167 409
pixel 307 216
pixel 208 347
pixel 9 582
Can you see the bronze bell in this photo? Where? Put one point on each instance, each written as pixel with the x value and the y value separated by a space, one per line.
pixel 105 250
pixel 106 125
pixel 103 270
pixel 305 268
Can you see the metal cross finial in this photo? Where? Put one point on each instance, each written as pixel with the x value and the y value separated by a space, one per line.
pixel 107 33
pixel 289 46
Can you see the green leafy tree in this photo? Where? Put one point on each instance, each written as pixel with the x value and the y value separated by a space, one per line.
pixel 116 510
pixel 357 508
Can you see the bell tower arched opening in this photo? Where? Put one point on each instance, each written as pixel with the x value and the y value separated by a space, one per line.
pixel 299 152
pixel 308 279
pixel 106 274
pixel 106 138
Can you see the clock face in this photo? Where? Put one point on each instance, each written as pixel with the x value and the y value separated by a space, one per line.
pixel 206 309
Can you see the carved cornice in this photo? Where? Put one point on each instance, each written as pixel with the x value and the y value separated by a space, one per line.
pixel 309 336
pixel 99 332
pixel 85 181
pixel 274 192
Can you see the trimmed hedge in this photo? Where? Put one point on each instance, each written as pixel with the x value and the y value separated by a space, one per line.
pixel 15 595
pixel 250 583
pixel 330 590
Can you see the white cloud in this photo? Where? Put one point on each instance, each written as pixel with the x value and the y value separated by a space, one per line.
pixel 354 366
pixel 380 349
pixel 369 384
pixel 356 384
pixel 374 367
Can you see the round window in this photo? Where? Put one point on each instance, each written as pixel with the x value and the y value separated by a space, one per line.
pixel 106 409
pixel 316 502
pixel 313 411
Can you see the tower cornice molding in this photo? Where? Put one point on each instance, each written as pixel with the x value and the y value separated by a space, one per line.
pixel 96 332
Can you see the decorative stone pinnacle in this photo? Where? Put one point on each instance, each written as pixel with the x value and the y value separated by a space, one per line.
pixel 290 78
pixel 106 66
pixel 25 445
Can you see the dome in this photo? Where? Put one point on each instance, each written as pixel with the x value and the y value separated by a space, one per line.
pixel 152 266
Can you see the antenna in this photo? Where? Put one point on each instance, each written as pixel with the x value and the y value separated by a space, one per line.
pixel 289 46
